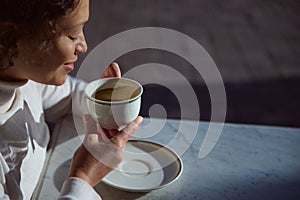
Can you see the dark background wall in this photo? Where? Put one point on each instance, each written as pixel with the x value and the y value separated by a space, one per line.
pixel 254 43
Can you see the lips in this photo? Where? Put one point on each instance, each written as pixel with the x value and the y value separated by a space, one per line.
pixel 69 66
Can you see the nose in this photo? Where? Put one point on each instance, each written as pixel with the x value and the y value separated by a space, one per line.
pixel 81 45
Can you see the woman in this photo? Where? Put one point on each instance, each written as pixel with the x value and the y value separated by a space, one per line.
pixel 39 44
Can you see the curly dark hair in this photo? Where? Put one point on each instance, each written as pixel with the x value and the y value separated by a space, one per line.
pixel 19 18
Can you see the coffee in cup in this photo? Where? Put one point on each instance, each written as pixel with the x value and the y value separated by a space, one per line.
pixel 113 102
pixel 120 93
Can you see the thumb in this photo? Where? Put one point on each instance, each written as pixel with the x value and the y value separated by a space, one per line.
pixel 112 70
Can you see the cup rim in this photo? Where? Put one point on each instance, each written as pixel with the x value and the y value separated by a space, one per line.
pixel 114 102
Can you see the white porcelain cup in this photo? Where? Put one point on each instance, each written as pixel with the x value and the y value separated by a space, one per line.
pixel 117 113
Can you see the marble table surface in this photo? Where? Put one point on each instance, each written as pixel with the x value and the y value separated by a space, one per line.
pixel 247 162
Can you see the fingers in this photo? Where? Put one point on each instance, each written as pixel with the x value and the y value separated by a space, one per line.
pixel 113 70
pixel 129 130
pixel 104 134
pixel 95 133
pixel 89 124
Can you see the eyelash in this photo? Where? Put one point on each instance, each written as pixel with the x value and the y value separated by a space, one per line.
pixel 72 38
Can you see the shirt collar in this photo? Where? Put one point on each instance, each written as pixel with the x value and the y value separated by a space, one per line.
pixel 7 93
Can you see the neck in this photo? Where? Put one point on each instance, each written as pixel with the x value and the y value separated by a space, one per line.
pixel 11 75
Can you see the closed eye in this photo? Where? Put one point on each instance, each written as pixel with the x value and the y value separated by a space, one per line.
pixel 72 38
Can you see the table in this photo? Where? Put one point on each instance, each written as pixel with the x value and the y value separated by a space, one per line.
pixel 247 162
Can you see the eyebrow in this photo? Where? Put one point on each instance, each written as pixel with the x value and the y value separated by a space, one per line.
pixel 83 22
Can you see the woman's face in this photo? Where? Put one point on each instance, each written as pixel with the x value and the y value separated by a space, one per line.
pixel 50 61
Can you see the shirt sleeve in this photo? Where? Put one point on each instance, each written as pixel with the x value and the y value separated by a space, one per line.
pixel 64 99
pixel 4 169
pixel 75 189
pixel 3 196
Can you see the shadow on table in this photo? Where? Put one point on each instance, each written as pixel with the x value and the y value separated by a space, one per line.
pixel 110 193
pixel 61 173
pixel 105 191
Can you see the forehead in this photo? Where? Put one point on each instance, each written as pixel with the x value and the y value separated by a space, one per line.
pixel 78 16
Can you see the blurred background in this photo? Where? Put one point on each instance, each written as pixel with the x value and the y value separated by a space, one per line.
pixel 254 43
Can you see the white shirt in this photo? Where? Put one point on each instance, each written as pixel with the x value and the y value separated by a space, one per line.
pixel 24 135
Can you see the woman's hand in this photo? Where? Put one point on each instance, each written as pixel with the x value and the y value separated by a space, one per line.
pixel 101 151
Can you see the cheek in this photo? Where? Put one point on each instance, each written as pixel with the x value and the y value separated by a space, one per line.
pixel 64 50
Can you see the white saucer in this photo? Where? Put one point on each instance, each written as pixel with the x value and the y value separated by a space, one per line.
pixel 146 166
